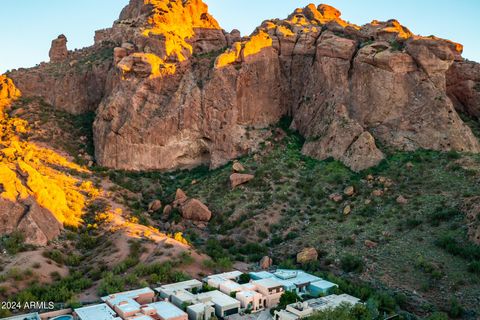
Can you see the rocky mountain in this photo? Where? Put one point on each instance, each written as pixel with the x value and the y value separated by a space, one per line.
pixel 181 92
pixel 92 143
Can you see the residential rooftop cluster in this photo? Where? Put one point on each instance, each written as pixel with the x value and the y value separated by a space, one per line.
pixel 217 296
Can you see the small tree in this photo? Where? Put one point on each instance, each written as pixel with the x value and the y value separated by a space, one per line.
pixel 288 297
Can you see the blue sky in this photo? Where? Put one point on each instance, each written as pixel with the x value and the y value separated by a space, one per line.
pixel 29 26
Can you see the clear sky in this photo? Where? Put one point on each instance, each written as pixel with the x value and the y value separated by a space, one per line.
pixel 28 26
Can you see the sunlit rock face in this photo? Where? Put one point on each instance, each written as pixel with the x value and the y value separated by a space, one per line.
pixel 37 197
pixel 177 91
pixel 348 89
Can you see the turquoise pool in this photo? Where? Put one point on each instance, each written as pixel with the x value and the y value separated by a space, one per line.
pixel 63 318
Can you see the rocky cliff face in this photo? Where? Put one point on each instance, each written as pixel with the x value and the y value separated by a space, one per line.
pixel 37 196
pixel 182 92
pixel 348 88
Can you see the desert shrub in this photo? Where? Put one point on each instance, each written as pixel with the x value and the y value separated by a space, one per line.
pixel 438 316
pixel 351 263
pixel 474 267
pixel 466 250
pixel 13 243
pixel 456 310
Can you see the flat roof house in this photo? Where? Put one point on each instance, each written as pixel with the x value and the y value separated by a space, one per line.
pixel 251 300
pixel 271 289
pixel 129 303
pixel 218 279
pixel 201 311
pixel 167 311
pixel 224 305
pixel 30 316
pixel 190 285
pixel 297 281
pixel 305 309
pixel 96 312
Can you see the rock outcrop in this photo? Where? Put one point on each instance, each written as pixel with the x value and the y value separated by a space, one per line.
pixel 237 179
pixel 37 224
pixel 348 88
pixel 463 87
pixel 75 85
pixel 37 197
pixel 190 208
pixel 58 50
pixel 177 91
pixel 307 255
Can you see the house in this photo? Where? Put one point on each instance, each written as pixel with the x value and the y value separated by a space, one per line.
pixel 217 279
pixel 305 309
pixel 96 312
pixel 128 304
pixel 167 290
pixel 251 300
pixel 30 316
pixel 271 289
pixel 201 311
pixel 297 281
pixel 223 304
pixel 321 288
pixel 167 311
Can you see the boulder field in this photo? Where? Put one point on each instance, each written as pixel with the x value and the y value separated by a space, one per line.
pixel 177 91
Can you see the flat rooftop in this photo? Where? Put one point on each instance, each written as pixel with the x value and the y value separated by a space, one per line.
pixel 261 275
pixel 228 275
pixel 323 284
pixel 180 285
pixel 129 294
pixel 268 283
pixel 219 298
pixel 166 310
pixel 30 316
pixel 96 312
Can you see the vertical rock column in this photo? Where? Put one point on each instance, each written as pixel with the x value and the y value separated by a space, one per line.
pixel 58 50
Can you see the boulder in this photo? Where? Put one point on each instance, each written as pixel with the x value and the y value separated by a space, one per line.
pixel 335 197
pixel 237 179
pixel 347 210
pixel 167 210
pixel 401 200
pixel 377 193
pixel 349 191
pixel 180 198
pixel 307 255
pixel 155 206
pixel 238 167
pixel 195 210
pixel 370 244
pixel 266 263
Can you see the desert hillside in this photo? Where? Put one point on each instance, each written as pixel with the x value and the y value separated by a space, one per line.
pixel 172 148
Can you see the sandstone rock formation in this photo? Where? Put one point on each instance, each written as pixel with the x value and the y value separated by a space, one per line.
pixel 307 255
pixel 463 87
pixel 155 205
pixel 237 179
pixel 37 224
pixel 37 197
pixel 191 209
pixel 346 86
pixel 266 263
pixel 171 95
pixel 58 50
pixel 194 209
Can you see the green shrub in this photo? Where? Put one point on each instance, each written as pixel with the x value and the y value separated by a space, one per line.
pixel 351 263
pixel 13 243
pixel 456 310
pixel 474 267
